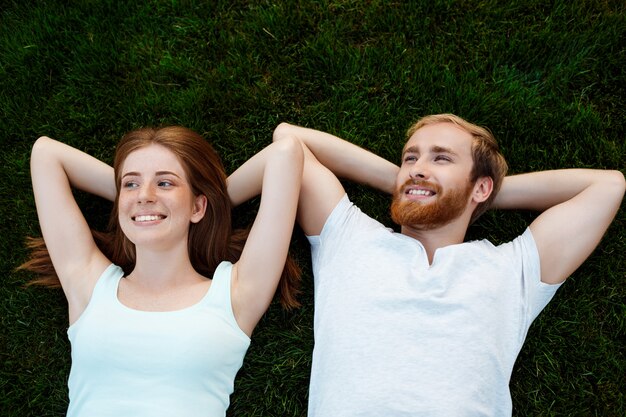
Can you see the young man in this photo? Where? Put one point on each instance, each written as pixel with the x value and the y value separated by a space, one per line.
pixel 419 323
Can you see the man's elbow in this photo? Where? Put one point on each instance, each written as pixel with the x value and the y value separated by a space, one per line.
pixel 614 178
pixel 619 181
pixel 614 185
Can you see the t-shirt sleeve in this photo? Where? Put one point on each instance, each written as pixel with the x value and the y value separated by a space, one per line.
pixel 335 216
pixel 536 294
pixel 331 229
pixel 343 224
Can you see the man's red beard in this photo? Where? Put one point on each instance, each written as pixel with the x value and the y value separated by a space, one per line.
pixel 427 216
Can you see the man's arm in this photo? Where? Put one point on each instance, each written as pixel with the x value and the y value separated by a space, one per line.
pixel 327 157
pixel 578 205
pixel 344 159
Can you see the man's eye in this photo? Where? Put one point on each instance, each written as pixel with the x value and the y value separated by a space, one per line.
pixel 442 158
pixel 410 158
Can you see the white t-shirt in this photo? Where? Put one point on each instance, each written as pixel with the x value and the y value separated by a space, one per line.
pixel 133 363
pixel 395 336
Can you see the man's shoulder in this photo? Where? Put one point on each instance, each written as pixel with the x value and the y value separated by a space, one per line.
pixel 507 253
pixel 496 242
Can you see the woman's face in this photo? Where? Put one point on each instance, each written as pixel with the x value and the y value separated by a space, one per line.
pixel 156 203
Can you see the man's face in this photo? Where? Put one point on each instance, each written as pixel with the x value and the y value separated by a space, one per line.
pixel 433 187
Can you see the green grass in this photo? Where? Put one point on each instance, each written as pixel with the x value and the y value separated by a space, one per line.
pixel 548 79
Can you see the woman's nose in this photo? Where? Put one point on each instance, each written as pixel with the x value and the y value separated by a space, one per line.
pixel 147 194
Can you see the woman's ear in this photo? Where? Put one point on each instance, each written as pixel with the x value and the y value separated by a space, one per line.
pixel 199 208
pixel 482 189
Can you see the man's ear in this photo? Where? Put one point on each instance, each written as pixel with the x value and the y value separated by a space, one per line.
pixel 482 189
pixel 199 208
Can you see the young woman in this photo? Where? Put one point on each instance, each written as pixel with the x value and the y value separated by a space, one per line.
pixel 162 308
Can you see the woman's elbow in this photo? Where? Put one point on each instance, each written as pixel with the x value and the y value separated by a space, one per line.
pixel 41 142
pixel 290 147
pixel 283 131
pixel 41 148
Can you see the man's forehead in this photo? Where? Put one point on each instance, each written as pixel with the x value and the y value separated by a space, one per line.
pixel 440 136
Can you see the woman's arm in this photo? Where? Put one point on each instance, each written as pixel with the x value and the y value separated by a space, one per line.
pixel 277 170
pixel 578 206
pixel 55 168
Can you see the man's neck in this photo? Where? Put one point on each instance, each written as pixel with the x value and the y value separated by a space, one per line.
pixel 432 239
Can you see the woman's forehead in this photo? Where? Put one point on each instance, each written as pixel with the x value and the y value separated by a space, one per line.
pixel 152 158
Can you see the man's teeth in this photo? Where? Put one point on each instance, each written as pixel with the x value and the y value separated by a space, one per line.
pixel 150 218
pixel 420 192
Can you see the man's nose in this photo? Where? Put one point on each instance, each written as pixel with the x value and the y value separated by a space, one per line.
pixel 419 171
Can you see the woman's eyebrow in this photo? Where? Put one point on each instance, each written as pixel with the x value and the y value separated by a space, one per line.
pixel 158 173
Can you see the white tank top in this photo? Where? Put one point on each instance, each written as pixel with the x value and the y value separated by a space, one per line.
pixel 127 362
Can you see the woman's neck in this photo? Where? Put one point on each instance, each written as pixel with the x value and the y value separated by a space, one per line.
pixel 161 269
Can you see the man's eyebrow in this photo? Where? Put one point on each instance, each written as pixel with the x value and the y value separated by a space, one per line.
pixel 434 149
pixel 442 149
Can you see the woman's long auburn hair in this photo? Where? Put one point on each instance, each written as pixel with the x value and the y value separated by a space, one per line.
pixel 210 241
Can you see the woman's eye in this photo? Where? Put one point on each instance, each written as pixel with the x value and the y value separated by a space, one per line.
pixel 410 158
pixel 165 183
pixel 130 184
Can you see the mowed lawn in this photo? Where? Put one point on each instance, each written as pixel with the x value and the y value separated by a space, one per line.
pixel 548 78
